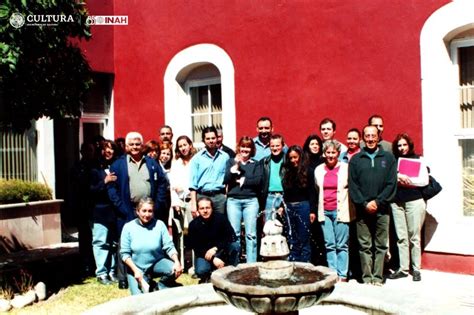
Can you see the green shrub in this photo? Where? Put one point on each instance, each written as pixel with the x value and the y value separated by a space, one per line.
pixel 15 191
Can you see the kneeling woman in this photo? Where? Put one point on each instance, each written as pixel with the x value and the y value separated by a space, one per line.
pixel 334 209
pixel 146 248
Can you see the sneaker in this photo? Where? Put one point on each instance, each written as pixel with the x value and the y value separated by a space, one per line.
pixel 113 278
pixel 416 276
pixel 397 275
pixel 377 284
pixel 104 280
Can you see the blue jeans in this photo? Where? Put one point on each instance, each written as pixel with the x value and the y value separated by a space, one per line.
pixel 162 268
pixel 336 239
pixel 203 267
pixel 248 210
pixel 273 200
pixel 299 233
pixel 103 248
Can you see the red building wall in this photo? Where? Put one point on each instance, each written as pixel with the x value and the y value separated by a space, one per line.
pixel 296 61
pixel 99 50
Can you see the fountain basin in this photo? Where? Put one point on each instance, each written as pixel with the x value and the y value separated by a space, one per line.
pixel 243 288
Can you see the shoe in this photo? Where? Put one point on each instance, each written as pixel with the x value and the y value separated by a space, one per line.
pixel 123 284
pixel 204 280
pixel 104 280
pixel 377 284
pixel 397 275
pixel 416 276
pixel 113 278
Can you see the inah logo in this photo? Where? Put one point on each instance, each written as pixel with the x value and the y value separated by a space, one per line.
pixel 17 20
pixel 107 20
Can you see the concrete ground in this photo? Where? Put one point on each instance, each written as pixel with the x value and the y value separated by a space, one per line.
pixel 437 293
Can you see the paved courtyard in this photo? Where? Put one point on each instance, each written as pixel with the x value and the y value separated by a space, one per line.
pixel 437 293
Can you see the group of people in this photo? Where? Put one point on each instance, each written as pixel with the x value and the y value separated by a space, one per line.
pixel 151 196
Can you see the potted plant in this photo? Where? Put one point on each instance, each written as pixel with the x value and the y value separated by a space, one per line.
pixel 29 218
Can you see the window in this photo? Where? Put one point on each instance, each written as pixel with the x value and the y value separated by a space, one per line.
pixel 463 57
pixel 18 155
pixel 199 91
pixel 206 108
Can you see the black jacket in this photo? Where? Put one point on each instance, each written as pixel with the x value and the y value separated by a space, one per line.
pixel 373 180
pixel 214 232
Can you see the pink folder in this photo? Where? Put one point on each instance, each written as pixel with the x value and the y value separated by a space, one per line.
pixel 409 167
pixel 415 169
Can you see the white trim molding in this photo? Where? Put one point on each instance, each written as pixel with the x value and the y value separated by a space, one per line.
pixel 45 153
pixel 177 102
pixel 450 232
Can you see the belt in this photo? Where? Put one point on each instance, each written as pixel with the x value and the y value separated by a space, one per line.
pixel 275 192
pixel 211 193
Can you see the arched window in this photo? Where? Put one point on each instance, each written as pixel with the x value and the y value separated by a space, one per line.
pixel 199 91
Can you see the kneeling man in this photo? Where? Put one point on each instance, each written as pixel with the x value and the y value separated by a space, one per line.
pixel 211 237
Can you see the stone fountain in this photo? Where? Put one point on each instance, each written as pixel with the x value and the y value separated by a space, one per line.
pixel 275 286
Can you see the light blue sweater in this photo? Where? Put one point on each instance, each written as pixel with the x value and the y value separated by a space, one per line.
pixel 146 245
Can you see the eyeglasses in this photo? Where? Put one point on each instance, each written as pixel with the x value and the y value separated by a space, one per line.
pixel 134 144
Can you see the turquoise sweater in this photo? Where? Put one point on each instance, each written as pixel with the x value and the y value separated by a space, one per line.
pixel 146 245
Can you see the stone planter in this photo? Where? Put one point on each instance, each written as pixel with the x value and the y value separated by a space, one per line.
pixel 29 225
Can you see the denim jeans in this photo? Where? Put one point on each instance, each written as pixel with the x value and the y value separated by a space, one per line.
pixel 203 267
pixel 336 239
pixel 408 218
pixel 103 247
pixel 299 235
pixel 162 268
pixel 273 200
pixel 246 209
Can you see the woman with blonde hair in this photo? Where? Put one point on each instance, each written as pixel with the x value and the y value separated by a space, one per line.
pixel 334 209
pixel 148 251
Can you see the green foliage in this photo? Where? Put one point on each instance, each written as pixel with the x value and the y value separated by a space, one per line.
pixel 16 191
pixel 42 71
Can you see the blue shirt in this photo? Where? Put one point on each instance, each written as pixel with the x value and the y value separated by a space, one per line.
pixel 261 150
pixel 146 244
pixel 207 172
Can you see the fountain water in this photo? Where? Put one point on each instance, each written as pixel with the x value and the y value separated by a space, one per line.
pixel 275 286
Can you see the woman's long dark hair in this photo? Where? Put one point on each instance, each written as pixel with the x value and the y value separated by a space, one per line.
pixel 295 176
pixel 111 145
pixel 308 140
pixel 408 139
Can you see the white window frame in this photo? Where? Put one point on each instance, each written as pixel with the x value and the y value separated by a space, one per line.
pixel 198 83
pixel 176 96
pixel 461 133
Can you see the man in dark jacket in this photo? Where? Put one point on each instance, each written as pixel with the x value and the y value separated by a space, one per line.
pixel 372 185
pixel 138 177
pixel 212 238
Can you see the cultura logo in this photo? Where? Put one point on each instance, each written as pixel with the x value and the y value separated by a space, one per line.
pixel 17 20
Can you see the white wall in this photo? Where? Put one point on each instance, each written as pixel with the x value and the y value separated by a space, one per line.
pixel 45 153
pixel 453 233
